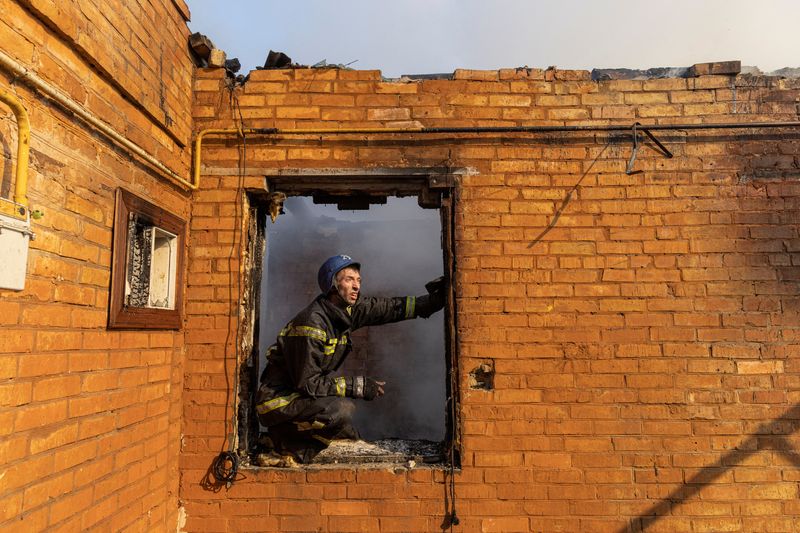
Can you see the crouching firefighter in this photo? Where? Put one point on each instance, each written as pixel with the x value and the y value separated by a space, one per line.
pixel 299 400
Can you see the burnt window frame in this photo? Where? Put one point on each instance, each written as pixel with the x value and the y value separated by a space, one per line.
pixel 435 187
pixel 120 315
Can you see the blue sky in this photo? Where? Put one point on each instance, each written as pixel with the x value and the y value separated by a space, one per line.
pixel 432 36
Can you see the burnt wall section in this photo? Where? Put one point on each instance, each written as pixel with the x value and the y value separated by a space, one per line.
pixel 89 418
pixel 642 327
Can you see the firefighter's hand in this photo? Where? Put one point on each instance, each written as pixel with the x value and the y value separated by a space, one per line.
pixel 434 300
pixel 372 388
pixel 436 285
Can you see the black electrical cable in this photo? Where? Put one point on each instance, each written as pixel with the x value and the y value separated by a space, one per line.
pixel 454 521
pixel 528 129
pixel 225 466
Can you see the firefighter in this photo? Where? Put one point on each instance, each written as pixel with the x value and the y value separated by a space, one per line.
pixel 300 401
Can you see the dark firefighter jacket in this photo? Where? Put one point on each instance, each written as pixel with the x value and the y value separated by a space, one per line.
pixel 316 342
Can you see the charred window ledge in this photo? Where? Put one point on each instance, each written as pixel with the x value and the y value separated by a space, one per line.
pixel 394 452
pixel 382 451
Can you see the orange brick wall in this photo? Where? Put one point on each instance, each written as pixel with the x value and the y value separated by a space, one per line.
pixel 90 418
pixel 139 47
pixel 645 345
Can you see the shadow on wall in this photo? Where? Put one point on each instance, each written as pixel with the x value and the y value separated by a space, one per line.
pixel 399 247
pixel 759 250
pixel 771 436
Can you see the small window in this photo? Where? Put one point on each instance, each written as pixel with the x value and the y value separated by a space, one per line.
pixel 147 266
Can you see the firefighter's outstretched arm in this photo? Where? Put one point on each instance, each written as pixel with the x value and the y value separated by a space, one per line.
pixel 375 311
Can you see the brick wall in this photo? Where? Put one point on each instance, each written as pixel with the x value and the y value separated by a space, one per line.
pixel 138 47
pixel 90 418
pixel 642 327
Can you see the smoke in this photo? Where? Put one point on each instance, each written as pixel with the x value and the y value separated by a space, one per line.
pixel 399 248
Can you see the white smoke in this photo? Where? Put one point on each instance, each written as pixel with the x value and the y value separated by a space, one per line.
pixel 399 247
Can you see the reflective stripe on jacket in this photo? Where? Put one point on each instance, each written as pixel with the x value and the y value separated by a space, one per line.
pixel 315 344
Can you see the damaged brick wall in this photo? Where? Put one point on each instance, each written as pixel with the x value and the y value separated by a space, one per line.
pixel 641 328
pixel 90 418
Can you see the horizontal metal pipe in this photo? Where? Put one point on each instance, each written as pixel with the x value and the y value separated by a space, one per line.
pixel 520 129
pixel 198 144
pixel 68 103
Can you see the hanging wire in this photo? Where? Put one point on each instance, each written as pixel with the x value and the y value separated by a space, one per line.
pixel 226 465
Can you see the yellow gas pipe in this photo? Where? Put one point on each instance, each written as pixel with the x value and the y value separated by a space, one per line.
pixel 198 141
pixel 23 146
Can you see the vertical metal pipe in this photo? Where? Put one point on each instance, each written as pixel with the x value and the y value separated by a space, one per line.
pixel 23 147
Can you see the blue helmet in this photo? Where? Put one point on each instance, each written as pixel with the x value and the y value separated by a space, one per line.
pixel 329 269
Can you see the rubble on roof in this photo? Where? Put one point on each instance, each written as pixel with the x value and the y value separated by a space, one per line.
pixel 233 65
pixel 785 72
pixel 200 45
pixel 716 68
pixel 205 53
pixel 728 68
pixel 605 74
pixel 277 60
pixel 208 55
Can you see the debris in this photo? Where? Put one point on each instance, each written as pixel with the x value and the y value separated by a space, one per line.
pixel 407 78
pixel 216 58
pixel 275 460
pixel 324 64
pixel 408 452
pixel 786 72
pixel 605 74
pixel 201 45
pixel 276 200
pixel 729 68
pixel 207 54
pixel 233 65
pixel 277 60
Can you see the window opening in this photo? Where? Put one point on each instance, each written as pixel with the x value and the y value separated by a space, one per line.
pixel 401 247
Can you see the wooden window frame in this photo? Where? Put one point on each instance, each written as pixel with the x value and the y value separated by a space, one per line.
pixel 121 316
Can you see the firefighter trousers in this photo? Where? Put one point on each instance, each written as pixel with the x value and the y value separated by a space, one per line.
pixel 306 426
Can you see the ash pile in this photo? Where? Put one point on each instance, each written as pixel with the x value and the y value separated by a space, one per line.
pixel 395 451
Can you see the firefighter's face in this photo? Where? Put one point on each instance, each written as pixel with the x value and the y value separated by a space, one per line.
pixel 348 285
